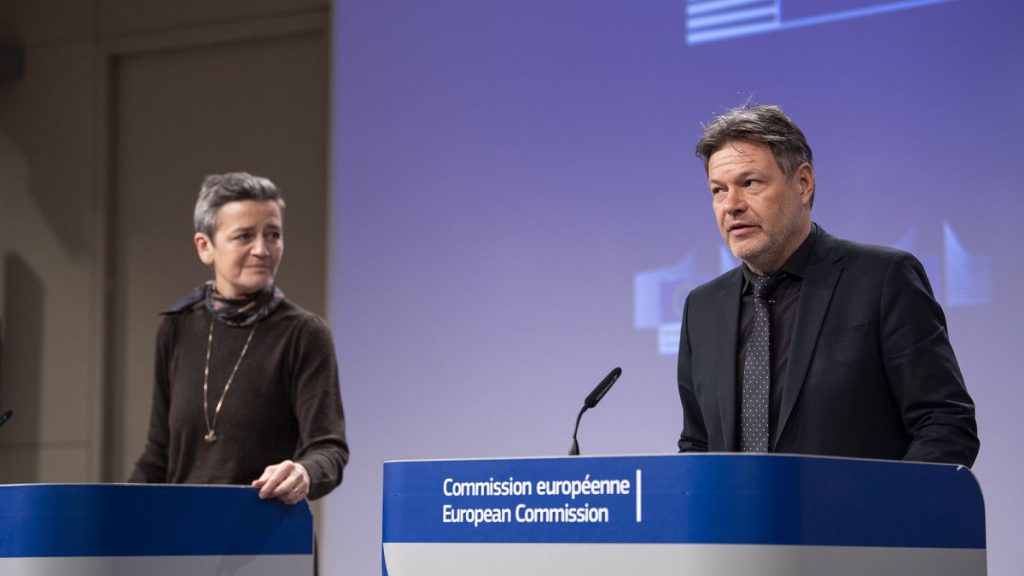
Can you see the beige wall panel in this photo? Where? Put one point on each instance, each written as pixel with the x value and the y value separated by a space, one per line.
pixel 121 17
pixel 258 105
pixel 34 22
pixel 49 252
pixel 49 375
pixel 29 464
pixel 50 117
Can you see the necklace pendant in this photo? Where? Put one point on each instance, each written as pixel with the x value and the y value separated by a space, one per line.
pixel 210 436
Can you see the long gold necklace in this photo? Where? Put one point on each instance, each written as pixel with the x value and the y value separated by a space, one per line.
pixel 210 435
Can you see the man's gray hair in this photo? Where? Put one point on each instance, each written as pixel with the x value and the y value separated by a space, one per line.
pixel 219 189
pixel 764 124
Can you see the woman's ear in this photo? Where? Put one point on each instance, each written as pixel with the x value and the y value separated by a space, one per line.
pixel 204 247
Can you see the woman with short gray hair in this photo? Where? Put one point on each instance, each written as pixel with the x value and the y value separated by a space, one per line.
pixel 246 387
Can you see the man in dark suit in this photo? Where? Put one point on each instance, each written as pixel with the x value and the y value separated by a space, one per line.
pixel 814 345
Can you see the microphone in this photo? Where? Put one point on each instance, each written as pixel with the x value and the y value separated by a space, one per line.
pixel 591 400
pixel 6 416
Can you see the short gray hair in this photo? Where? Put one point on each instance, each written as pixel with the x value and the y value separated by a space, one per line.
pixel 220 189
pixel 764 124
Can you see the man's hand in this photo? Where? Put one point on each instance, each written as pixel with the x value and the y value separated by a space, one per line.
pixel 287 481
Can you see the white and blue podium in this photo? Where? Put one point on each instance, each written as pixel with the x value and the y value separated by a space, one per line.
pixel 682 515
pixel 150 530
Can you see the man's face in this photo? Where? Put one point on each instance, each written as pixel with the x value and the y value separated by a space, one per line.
pixel 762 215
pixel 246 248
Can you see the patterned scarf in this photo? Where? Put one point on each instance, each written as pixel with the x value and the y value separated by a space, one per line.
pixel 244 311
pixel 231 311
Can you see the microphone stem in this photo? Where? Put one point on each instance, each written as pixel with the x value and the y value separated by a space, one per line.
pixel 574 450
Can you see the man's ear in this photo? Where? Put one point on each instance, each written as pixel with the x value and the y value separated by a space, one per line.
pixel 805 178
pixel 204 247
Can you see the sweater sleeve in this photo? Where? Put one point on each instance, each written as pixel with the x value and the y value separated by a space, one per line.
pixel 316 397
pixel 151 467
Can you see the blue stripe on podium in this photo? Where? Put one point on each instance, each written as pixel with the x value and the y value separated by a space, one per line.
pixel 698 499
pixel 148 520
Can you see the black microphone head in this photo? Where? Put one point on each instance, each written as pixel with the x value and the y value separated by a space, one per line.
pixel 594 397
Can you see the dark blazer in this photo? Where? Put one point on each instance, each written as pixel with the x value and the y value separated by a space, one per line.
pixel 871 370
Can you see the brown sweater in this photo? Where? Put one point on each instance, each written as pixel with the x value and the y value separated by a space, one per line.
pixel 284 403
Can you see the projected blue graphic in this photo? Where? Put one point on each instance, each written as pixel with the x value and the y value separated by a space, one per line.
pixel 714 20
pixel 958 278
pixel 968 278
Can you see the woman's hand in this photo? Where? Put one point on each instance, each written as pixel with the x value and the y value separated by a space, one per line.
pixel 287 481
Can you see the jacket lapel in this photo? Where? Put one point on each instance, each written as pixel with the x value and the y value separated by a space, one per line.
pixel 726 339
pixel 819 284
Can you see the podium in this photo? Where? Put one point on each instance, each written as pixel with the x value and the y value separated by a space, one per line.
pixel 150 530
pixel 682 515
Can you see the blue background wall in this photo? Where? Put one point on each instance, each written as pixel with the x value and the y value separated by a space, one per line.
pixel 517 209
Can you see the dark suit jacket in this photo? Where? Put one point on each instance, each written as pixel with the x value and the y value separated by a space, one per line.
pixel 871 370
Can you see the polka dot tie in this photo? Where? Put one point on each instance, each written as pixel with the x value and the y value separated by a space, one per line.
pixel 757 370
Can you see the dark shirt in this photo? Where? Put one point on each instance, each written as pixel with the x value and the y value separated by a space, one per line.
pixel 782 310
pixel 284 402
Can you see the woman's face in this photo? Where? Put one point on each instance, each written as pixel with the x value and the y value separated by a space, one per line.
pixel 246 248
